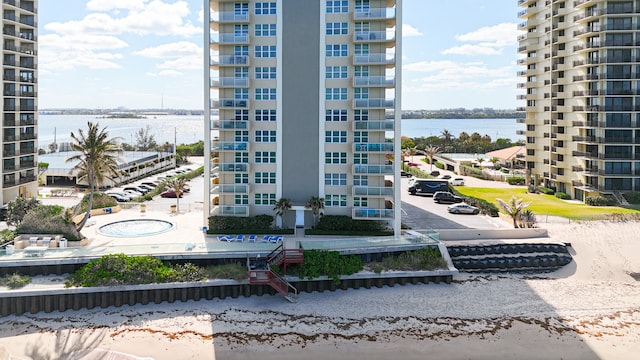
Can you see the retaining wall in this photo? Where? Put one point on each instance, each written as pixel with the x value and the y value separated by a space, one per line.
pixel 496 234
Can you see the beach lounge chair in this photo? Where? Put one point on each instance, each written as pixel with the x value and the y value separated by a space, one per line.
pixel 225 238
pixel 46 241
pixel 252 238
pixel 189 246
pixel 275 239
pixel 266 238
pixel 33 241
pixel 240 238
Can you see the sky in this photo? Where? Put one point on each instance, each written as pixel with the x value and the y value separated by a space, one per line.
pixel 141 54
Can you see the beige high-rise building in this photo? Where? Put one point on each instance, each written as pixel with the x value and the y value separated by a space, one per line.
pixel 303 100
pixel 19 105
pixel 582 71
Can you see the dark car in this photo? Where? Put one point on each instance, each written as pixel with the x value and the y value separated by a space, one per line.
pixel 405 174
pixel 446 197
pixel 170 194
pixel 435 173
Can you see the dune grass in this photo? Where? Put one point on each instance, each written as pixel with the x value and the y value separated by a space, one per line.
pixel 542 204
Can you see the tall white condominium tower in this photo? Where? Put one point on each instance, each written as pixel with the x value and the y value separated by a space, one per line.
pixel 582 86
pixel 19 99
pixel 303 100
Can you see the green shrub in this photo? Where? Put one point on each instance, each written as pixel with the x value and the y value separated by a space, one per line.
pixel 484 206
pixel 422 259
pixel 234 223
pixel 600 201
pixel 438 164
pixel 327 263
pixel 545 190
pixel 14 281
pixel 563 196
pixel 119 269
pixel 49 219
pixel 344 223
pixel 515 180
pixel 18 208
pixel 632 197
pixel 100 200
pixel 233 271
pixel 7 235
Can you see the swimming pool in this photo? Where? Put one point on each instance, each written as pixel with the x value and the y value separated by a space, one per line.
pixel 135 227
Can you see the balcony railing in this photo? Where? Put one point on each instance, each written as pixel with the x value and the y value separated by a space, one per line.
pixel 230 82
pixel 229 16
pixel 375 13
pixel 230 103
pixel 372 191
pixel 374 125
pixel 378 214
pixel 230 60
pixel 222 38
pixel 229 146
pixel 231 189
pixel 237 210
pixel 386 81
pixel 373 147
pixel 373 169
pixel 372 59
pixel 231 167
pixel 374 103
pixel 371 36
pixel 229 124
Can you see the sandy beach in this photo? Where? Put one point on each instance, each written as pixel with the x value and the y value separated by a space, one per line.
pixel 588 310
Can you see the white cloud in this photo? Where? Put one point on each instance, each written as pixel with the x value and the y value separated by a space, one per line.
pixel 178 55
pixel 58 53
pixel 472 50
pixel 490 40
pixel 408 30
pixel 443 75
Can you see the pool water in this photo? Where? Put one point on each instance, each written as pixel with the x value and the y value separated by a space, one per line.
pixel 136 227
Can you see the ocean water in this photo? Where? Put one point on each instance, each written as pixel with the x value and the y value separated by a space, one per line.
pixel 188 129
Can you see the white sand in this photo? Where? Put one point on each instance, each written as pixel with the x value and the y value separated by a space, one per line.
pixel 588 310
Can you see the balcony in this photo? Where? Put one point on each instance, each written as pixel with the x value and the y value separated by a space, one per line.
pixel 231 189
pixel 373 169
pixel 371 81
pixel 229 82
pixel 230 60
pixel 372 147
pixel 374 36
pixel 230 39
pixel 230 104
pixel 375 14
pixel 229 124
pixel 374 125
pixel 232 210
pixel 231 167
pixel 372 191
pixel 374 59
pixel 374 104
pixel 229 17
pixel 373 214
pixel 229 146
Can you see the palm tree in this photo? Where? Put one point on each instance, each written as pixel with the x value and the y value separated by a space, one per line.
pixel 177 184
pixel 430 152
pixel 513 208
pixel 281 207
pixel 316 204
pixel 96 160
pixel 446 136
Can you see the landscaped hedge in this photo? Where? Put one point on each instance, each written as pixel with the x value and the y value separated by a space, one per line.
pixel 600 201
pixel 219 224
pixel 632 197
pixel 545 190
pixel 484 206
pixel 515 180
pixel 344 223
pixel 438 164
pixel 49 219
pixel 100 200
pixel 327 263
pixel 563 196
pixel 471 171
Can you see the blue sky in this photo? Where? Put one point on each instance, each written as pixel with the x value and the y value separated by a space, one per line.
pixel 147 53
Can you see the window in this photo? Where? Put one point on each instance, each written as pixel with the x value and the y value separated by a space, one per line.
pixel 360 158
pixel 242 136
pixel 265 8
pixel 361 136
pixel 362 5
pixel 335 136
pixel 337 28
pixel 241 8
pixel 360 115
pixel 265 73
pixel 360 201
pixel 335 200
pixel 241 93
pixel 265 199
pixel 265 29
pixel 265 178
pixel 241 157
pixel 360 93
pixel 265 136
pixel 362 49
pixel 361 71
pixel 241 178
pixel 265 157
pixel 241 115
pixel 360 180
pixel 337 50
pixel 335 158
pixel 265 93
pixel 337 6
pixel 241 51
pixel 336 72
pixel 241 199
pixel 336 94
pixel 241 72
pixel 335 179
pixel 241 30
pixel 266 115
pixel 266 51
pixel 336 115
pixel 362 27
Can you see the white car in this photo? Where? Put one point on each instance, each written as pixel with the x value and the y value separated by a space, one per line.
pixel 457 181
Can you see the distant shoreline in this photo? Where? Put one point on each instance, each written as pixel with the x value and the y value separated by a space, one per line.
pixel 461 116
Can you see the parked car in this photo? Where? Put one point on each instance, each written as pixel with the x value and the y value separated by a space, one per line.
pixel 135 188
pixel 457 181
pixel 122 194
pixel 146 187
pixel 446 197
pixel 405 174
pixel 118 197
pixel 463 208
pixel 445 177
pixel 435 173
pixel 427 186
pixel 150 184
pixel 412 164
pixel 133 193
pixel 170 194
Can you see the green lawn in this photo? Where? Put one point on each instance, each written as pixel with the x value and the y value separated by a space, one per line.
pixel 542 204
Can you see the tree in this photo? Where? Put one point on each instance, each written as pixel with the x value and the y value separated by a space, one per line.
pixel 177 184
pixel 513 208
pixel 431 152
pixel 96 160
pixel 446 136
pixel 316 204
pixel 18 208
pixel 145 139
pixel 281 207
pixel 53 147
